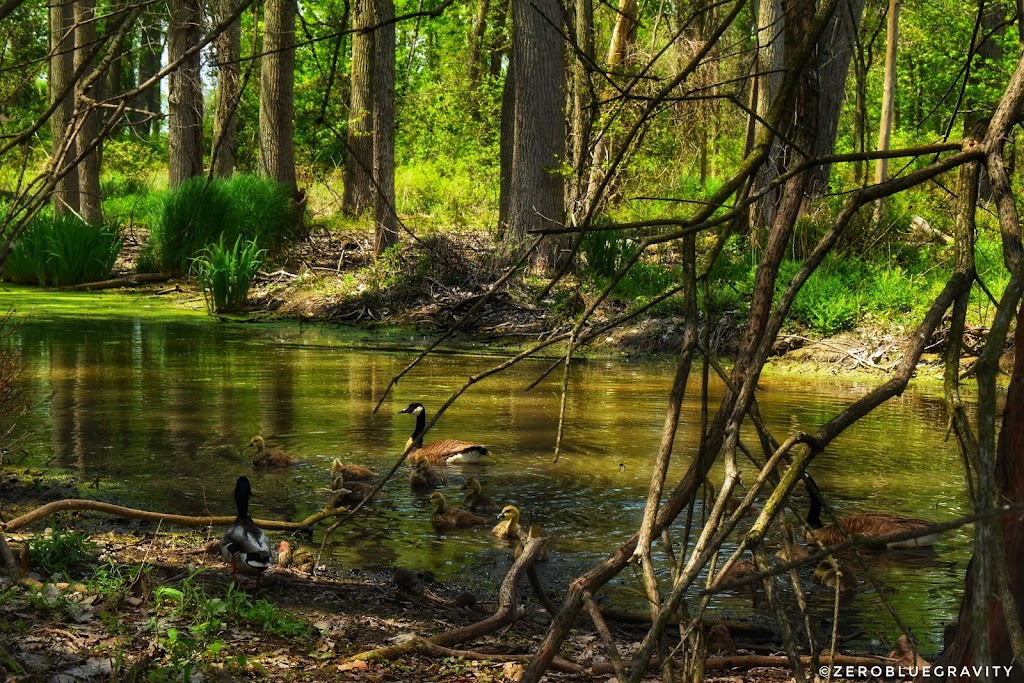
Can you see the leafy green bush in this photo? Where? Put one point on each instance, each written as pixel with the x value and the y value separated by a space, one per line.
pixel 54 252
pixel 226 274
pixel 61 550
pixel 198 214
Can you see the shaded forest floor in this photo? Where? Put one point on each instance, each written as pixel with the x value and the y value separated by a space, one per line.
pixel 133 602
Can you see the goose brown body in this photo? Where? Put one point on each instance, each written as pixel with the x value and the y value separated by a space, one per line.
pixel 351 471
pixel 264 458
pixel 863 525
pixel 840 575
pixel 439 452
pixel 476 501
pixel 348 492
pixel 509 527
pixel 446 518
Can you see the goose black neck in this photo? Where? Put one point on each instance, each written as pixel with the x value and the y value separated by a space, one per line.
pixel 814 513
pixel 421 425
pixel 242 493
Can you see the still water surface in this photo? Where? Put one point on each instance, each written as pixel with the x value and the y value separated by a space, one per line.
pixel 156 412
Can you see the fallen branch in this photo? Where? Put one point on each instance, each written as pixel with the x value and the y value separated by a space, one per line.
pixel 424 645
pixel 508 612
pixel 127 281
pixel 147 516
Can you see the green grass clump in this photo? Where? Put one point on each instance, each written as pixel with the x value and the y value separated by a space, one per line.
pixel 54 252
pixel 226 274
pixel 61 550
pixel 198 214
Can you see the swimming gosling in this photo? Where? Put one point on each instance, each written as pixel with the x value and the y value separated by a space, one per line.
pixel 445 518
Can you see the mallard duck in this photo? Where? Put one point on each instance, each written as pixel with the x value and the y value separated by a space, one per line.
pixel 244 545
pixel 534 532
pixel 424 476
pixel 264 458
pixel 476 501
pixel 840 574
pixel 865 525
pixel 351 472
pixel 440 452
pixel 446 518
pixel 509 527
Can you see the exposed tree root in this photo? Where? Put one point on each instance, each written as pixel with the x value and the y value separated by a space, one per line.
pixel 145 515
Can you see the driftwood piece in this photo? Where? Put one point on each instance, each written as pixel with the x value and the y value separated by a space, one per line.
pixel 126 281
pixel 147 516
pixel 507 613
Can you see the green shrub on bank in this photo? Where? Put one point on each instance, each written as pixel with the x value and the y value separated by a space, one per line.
pixel 199 213
pixel 54 252
pixel 226 274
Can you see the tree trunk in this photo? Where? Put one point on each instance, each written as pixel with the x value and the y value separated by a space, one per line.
pixel 62 66
pixel 537 194
pixel 148 101
pixel 225 122
pixel 185 94
pixel 888 98
pixel 359 163
pixel 386 231
pixel 277 101
pixel 89 168
pixel 505 145
pixel 477 46
pixel 583 108
pixel 771 55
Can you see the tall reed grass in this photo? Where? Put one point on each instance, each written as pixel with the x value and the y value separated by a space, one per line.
pixel 54 252
pixel 226 273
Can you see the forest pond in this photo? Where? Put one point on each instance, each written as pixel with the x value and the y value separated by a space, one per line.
pixel 154 413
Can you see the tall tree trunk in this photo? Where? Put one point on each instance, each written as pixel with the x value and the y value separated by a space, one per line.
pixel 277 96
pixel 888 99
pixel 537 194
pixel 583 107
pixel 225 122
pixel 477 46
pixel 185 94
pixel 62 67
pixel 505 147
pixel 150 48
pixel 386 231
pixel 89 168
pixel 771 54
pixel 359 163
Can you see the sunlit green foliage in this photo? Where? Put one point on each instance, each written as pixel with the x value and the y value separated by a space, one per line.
pixel 54 252
pixel 61 550
pixel 226 273
pixel 200 213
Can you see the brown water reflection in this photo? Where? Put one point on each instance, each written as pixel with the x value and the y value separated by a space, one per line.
pixel 157 412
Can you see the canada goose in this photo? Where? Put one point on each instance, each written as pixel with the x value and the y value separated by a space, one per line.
pixel 534 532
pixel 263 458
pixel 509 527
pixel 446 518
pixel 739 570
pixel 351 472
pixel 476 501
pixel 244 544
pixel 440 452
pixel 840 574
pixel 424 476
pixel 865 525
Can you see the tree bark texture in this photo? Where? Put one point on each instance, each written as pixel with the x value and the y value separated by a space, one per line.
pixel 583 108
pixel 225 122
pixel 357 196
pixel 771 53
pixel 90 206
pixel 385 218
pixel 277 94
pixel 888 97
pixel 537 193
pixel 150 47
pixel 62 66
pixel 185 94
